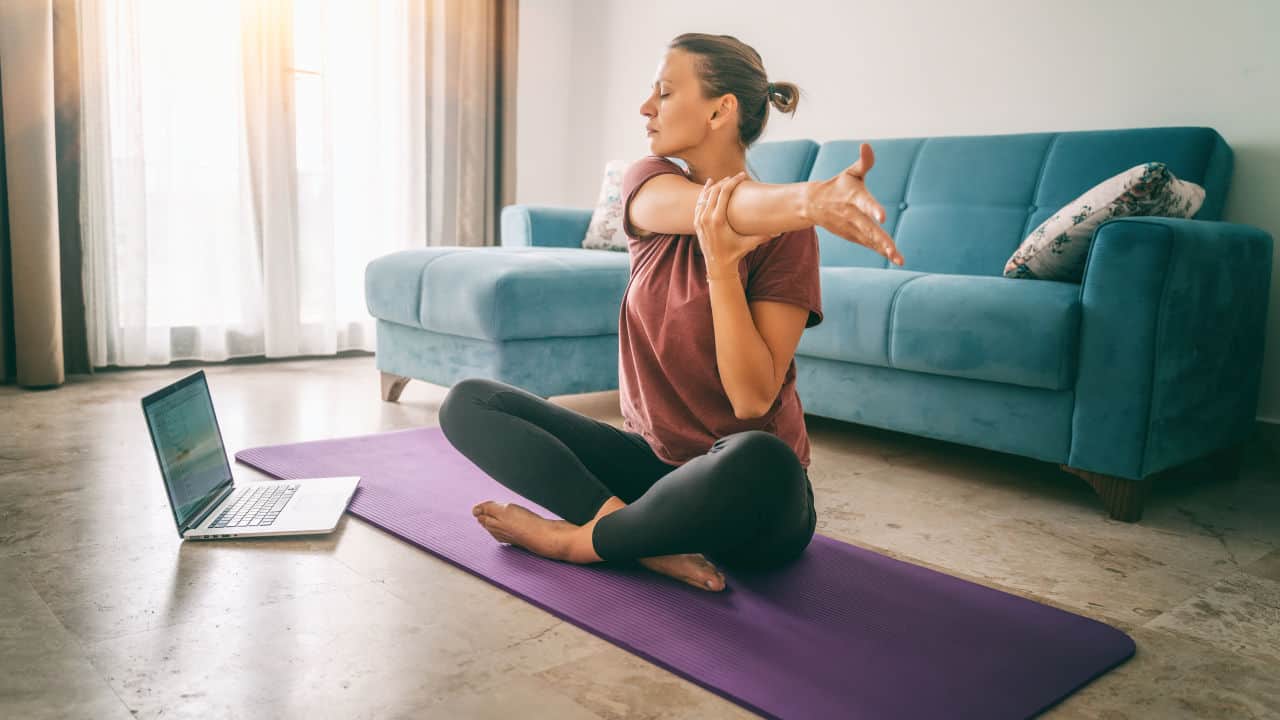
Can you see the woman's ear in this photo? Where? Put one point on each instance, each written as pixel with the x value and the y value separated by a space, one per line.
pixel 726 104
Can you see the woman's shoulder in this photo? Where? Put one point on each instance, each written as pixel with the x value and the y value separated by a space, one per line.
pixel 637 174
pixel 661 160
pixel 650 165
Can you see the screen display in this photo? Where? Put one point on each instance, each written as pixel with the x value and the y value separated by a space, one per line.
pixel 188 445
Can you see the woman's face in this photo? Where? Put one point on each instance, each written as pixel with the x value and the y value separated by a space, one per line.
pixel 676 113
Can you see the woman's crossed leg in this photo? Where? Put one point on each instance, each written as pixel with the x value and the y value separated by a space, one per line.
pixel 747 501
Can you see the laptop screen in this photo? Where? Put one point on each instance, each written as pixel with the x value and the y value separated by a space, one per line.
pixel 188 444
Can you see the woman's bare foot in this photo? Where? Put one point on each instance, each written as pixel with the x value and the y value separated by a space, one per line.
pixel 518 525
pixel 692 568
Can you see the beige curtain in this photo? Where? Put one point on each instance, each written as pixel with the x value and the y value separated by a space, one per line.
pixel 506 110
pixel 471 118
pixel 42 330
pixel 469 149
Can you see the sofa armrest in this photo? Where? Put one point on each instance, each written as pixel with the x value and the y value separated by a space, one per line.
pixel 1171 339
pixel 544 226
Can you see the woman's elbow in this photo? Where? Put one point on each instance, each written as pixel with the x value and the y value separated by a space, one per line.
pixel 750 412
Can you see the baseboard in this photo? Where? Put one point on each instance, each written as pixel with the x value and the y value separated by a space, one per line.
pixel 1268 433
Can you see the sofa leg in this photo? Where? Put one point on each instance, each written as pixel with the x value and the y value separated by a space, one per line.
pixel 392 386
pixel 1122 497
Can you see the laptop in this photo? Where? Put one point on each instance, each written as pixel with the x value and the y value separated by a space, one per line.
pixel 207 502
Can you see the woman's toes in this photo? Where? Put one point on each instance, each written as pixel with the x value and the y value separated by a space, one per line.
pixel 705 574
pixel 716 580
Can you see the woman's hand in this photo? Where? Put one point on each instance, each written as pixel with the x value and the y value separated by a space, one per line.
pixel 722 247
pixel 844 206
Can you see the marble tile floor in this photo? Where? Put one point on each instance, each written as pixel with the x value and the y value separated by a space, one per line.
pixel 105 614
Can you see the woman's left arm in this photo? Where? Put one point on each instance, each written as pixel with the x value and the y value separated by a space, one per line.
pixel 747 362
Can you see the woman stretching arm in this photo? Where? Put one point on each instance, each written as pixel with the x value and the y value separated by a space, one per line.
pixel 841 204
pixel 713 454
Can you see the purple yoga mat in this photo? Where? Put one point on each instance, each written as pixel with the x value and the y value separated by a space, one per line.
pixel 842 632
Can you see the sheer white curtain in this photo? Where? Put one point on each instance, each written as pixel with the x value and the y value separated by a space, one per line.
pixel 241 164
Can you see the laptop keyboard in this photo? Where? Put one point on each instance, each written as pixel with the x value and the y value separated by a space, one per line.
pixel 257 507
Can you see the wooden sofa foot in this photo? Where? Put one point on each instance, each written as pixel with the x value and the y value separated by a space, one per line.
pixel 392 386
pixel 1122 497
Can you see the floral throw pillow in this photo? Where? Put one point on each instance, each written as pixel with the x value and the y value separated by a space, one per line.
pixel 1058 248
pixel 605 230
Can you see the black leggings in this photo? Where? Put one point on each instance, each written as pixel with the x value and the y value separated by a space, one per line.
pixel 747 502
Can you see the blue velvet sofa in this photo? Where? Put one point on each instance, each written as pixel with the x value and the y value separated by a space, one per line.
pixel 1151 362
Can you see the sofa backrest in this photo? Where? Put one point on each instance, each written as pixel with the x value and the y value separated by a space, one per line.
pixel 962 204
pixel 782 161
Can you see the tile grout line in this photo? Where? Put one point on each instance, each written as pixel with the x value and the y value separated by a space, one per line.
pixel 79 643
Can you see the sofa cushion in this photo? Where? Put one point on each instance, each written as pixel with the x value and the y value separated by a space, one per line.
pixel 855 303
pixel 782 161
pixel 987 328
pixel 976 327
pixel 604 232
pixel 500 293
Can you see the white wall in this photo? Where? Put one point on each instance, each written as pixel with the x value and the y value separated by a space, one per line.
pixel 920 68
pixel 543 78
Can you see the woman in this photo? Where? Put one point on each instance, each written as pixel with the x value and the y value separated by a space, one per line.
pixel 712 460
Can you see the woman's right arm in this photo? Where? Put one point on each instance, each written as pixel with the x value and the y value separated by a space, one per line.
pixel 664 204
pixel 841 204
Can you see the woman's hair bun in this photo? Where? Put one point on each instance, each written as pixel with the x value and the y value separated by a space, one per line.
pixel 784 96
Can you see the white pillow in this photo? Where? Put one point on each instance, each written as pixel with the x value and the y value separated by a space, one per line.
pixel 605 230
pixel 1058 248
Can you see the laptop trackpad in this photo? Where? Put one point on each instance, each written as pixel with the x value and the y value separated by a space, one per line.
pixel 315 506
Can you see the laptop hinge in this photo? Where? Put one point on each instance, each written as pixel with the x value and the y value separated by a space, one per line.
pixel 209 507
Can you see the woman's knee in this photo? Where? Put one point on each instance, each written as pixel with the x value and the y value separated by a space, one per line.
pixel 756 447
pixel 462 395
pixel 765 457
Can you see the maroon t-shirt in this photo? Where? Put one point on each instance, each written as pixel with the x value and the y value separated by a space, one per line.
pixel 668 376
